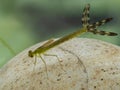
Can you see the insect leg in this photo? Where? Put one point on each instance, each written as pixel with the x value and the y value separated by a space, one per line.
pixel 35 62
pixel 80 63
pixel 45 65
pixel 57 59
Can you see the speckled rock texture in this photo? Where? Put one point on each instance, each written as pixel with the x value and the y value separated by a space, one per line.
pixel 85 64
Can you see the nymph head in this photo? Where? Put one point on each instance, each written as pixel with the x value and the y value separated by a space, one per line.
pixel 30 54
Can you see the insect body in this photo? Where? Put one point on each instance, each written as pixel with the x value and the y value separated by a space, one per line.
pixel 86 28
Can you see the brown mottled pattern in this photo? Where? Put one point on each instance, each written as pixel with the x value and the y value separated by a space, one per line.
pixel 92 27
pixel 95 31
pixel 99 23
pixel 85 15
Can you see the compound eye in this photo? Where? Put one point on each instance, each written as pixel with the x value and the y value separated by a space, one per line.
pixel 30 53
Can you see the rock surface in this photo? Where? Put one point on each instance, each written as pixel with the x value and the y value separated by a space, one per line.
pixel 85 64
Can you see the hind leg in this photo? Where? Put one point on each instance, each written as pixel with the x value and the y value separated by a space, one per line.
pixel 57 59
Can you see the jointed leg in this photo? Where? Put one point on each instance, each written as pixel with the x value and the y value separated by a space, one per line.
pixel 57 59
pixel 35 62
pixel 45 65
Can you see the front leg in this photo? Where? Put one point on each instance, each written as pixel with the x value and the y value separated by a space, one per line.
pixel 44 64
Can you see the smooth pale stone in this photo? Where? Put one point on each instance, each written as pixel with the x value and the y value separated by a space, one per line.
pixel 86 64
